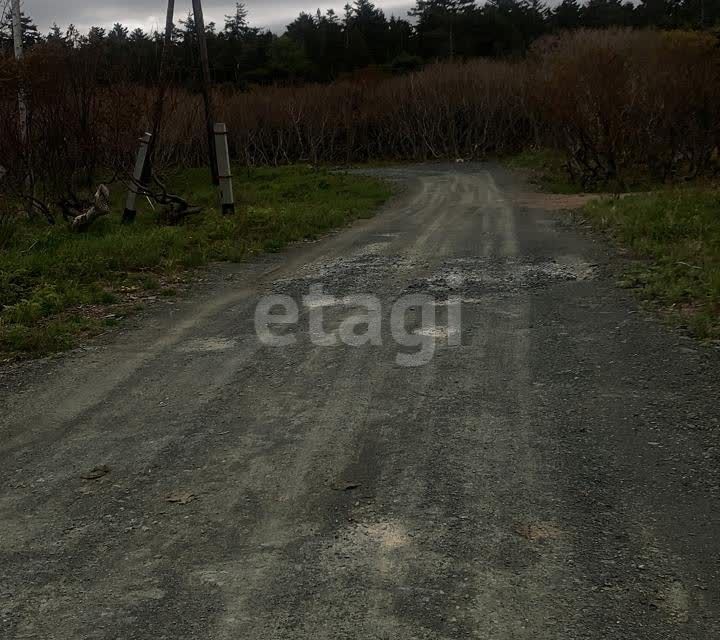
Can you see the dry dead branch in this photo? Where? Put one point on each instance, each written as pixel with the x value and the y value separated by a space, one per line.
pixel 100 207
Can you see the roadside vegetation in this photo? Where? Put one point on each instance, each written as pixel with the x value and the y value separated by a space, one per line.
pixel 671 230
pixel 675 232
pixel 545 168
pixel 57 285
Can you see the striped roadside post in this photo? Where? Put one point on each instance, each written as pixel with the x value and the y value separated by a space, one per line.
pixel 227 199
pixel 130 211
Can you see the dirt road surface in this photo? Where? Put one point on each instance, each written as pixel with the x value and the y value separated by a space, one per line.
pixel 554 476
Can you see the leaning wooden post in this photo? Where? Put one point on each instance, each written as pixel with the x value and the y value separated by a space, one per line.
pixel 130 211
pixel 163 84
pixel 227 199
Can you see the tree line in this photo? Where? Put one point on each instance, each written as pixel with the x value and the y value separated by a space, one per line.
pixel 326 46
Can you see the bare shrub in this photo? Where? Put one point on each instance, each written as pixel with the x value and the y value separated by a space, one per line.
pixel 78 127
pixel 447 110
pixel 620 100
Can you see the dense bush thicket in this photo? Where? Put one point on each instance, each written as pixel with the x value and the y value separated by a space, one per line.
pixel 623 101
pixel 78 128
pixel 616 101
pixel 447 110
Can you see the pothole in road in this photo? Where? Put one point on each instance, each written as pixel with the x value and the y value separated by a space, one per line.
pixel 467 278
pixel 366 272
pixel 471 278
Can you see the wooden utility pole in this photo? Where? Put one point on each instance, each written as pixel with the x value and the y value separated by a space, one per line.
pixel 163 83
pixel 216 132
pixel 18 45
pixel 205 64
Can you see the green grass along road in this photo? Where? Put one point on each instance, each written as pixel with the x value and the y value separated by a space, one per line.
pixel 56 286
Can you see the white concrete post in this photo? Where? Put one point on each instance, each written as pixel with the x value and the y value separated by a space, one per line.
pixel 130 211
pixel 227 199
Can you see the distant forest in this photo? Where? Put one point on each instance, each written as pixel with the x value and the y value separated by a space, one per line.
pixel 327 46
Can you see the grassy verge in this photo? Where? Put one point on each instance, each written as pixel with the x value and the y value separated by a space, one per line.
pixel 673 230
pixel 57 286
pixel 678 230
pixel 546 169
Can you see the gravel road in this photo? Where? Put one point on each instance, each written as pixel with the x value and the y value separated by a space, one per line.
pixel 552 472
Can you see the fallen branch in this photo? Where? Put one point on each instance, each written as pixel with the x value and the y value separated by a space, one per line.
pixel 39 205
pixel 100 207
pixel 177 208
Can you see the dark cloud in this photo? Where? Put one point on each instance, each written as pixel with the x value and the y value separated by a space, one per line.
pixel 272 14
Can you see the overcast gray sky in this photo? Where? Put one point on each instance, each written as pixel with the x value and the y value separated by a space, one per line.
pixel 149 14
